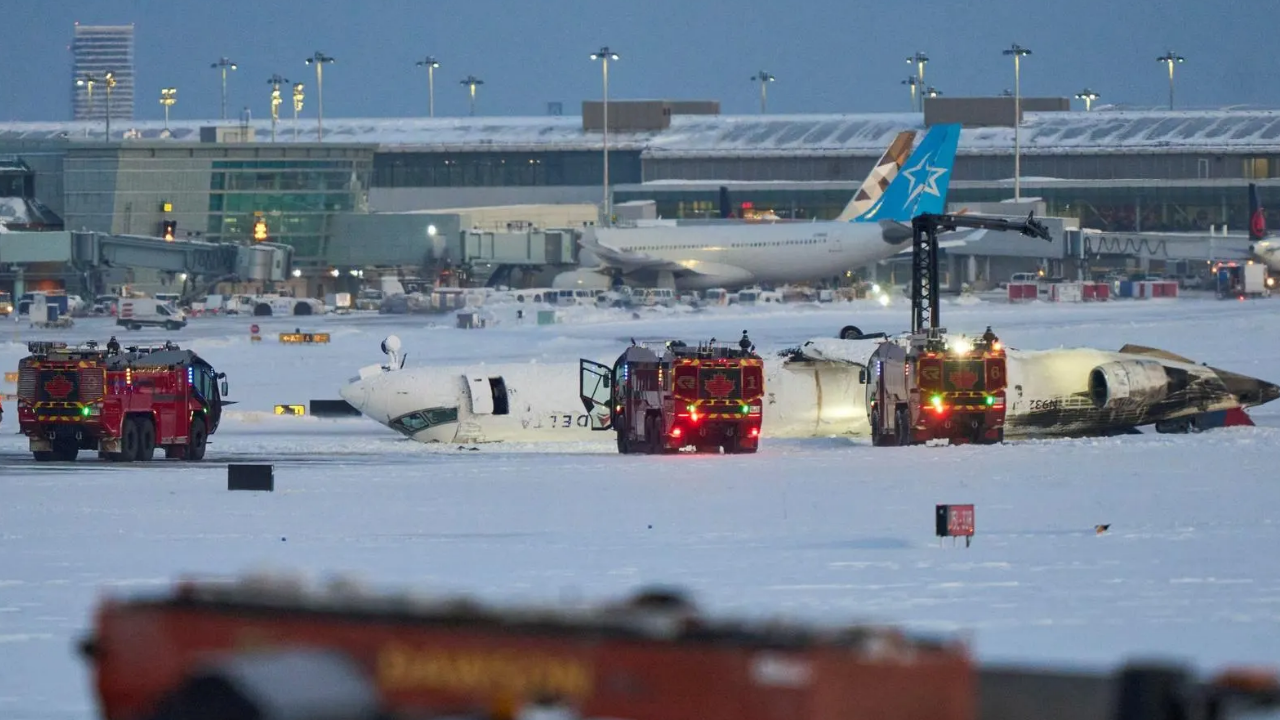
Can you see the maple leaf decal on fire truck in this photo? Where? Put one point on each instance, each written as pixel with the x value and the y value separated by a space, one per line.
pixel 59 387
pixel 964 378
pixel 719 386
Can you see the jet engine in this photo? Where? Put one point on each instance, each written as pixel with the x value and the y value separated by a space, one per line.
pixel 1127 384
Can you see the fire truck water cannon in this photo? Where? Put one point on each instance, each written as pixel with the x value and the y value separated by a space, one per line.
pixel 660 400
pixel 121 402
pixel 929 386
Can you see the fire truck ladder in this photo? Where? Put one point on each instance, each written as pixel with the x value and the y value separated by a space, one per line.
pixel 924 256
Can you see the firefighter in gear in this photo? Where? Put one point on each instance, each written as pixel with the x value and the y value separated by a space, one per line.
pixel 113 346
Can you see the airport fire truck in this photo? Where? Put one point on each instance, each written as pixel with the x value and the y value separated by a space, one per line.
pixel 930 386
pixel 122 403
pixel 706 396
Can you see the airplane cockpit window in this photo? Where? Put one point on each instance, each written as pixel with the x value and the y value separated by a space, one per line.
pixel 418 421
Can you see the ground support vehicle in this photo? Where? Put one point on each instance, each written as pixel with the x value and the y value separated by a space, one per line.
pixel 707 396
pixel 1240 281
pixel 267 648
pixel 649 657
pixel 927 386
pixel 123 404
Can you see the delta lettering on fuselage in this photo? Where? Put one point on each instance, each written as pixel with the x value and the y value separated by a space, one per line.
pixel 517 674
pixel 556 421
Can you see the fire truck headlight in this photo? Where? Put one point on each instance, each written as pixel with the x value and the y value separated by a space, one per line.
pixel 936 401
pixel 991 400
pixel 884 300
pixel 961 346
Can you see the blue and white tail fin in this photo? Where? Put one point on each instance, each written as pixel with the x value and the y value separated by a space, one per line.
pixel 921 186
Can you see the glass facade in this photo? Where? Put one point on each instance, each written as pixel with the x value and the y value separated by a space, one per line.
pixel 295 198
pixel 502 169
pixel 1149 208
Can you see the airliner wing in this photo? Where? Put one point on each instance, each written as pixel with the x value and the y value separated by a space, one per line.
pixel 629 261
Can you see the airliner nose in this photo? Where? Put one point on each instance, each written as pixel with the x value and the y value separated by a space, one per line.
pixel 356 394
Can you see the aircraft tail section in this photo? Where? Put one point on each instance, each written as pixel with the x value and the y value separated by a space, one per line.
pixel 1257 220
pixel 921 186
pixel 881 176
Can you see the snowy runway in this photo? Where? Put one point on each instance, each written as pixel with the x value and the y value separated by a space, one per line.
pixel 829 529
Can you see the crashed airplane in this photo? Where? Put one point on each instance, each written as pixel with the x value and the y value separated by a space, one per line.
pixel 815 390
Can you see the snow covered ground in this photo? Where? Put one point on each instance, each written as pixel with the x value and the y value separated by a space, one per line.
pixel 829 529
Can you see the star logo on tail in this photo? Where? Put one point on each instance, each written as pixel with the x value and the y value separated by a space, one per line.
pixel 924 178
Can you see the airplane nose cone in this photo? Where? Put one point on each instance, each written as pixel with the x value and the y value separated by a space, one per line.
pixel 356 394
pixel 1249 391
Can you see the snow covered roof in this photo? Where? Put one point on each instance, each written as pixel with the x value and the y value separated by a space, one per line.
pixel 1100 131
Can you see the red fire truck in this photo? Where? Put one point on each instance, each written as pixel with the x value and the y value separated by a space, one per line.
pixel 928 386
pixel 124 404
pixel 706 396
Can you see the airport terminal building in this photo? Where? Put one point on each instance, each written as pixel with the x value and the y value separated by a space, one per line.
pixel 347 198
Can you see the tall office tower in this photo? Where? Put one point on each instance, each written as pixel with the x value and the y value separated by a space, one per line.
pixel 96 51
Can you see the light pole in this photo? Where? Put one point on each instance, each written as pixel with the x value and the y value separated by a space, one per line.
pixel 87 82
pixel 919 60
pixel 1170 58
pixel 110 79
pixel 274 81
pixel 319 59
pixel 1088 96
pixel 223 64
pixel 168 96
pixel 430 63
pixel 604 54
pixel 1017 51
pixel 472 81
pixel 912 82
pixel 297 107
pixel 764 79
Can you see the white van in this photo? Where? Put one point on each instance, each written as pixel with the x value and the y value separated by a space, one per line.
pixel 136 312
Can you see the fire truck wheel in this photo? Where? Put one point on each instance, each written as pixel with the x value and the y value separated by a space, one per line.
pixel 128 442
pixel 146 439
pixel 653 435
pixel 195 450
pixel 877 429
pixel 903 422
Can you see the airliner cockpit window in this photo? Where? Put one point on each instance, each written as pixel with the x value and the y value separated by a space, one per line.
pixel 418 421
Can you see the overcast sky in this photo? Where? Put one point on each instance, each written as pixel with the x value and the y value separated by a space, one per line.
pixel 828 55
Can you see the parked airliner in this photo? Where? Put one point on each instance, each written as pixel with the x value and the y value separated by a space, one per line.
pixel 737 254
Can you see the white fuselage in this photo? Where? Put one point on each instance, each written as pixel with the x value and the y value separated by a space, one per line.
pixel 1048 395
pixel 767 253
pixel 1268 251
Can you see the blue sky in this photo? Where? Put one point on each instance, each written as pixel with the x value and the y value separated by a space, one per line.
pixel 828 55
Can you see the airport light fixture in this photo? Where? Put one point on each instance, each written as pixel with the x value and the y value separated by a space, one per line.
pixel 168 96
pixel 472 81
pixel 918 61
pixel 1017 52
pixel 109 79
pixel 930 91
pixel 764 79
pixel 913 83
pixel 1171 59
pixel 319 59
pixel 1088 96
pixel 430 63
pixel 224 64
pixel 298 96
pixel 87 81
pixel 604 54
pixel 275 81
